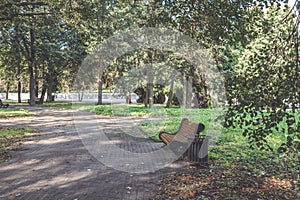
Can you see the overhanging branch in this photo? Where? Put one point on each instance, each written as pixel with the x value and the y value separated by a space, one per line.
pixel 31 14
pixel 21 4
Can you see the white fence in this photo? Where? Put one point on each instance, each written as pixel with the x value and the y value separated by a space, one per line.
pixel 86 97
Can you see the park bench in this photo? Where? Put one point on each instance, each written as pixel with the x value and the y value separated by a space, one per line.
pixel 189 132
pixel 186 129
pixel 3 105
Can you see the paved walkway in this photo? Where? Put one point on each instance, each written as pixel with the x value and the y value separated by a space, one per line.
pixel 56 163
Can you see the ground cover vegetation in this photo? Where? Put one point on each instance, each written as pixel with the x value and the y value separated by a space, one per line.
pixel 11 139
pixel 13 112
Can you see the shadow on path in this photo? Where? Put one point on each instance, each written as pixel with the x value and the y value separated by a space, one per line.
pixel 56 165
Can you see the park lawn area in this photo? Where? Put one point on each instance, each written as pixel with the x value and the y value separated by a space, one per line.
pixel 235 171
pixel 136 110
pixel 67 105
pixel 159 110
pixel 11 139
pixel 56 104
pixel 13 112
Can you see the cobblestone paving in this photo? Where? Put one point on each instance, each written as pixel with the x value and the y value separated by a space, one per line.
pixel 54 164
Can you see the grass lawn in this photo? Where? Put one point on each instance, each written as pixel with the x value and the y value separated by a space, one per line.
pixel 57 104
pixel 13 112
pixel 236 171
pixel 11 139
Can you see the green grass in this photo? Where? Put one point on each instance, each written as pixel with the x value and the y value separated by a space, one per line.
pixel 62 105
pixel 14 112
pixel 134 110
pixel 233 151
pixel 11 139
pixel 172 122
pixel 11 102
pixel 138 110
pixel 152 128
pixel 67 105
pixel 171 117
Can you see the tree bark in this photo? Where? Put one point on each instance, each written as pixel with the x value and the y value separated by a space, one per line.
pixel 31 86
pixel 43 94
pixel 128 97
pixel 50 84
pixel 36 76
pixel 19 70
pixel 189 93
pixel 146 100
pixel 7 90
pixel 150 80
pixel 49 93
pixel 31 67
pixel 19 91
pixel 171 92
pixel 100 84
pixel 184 91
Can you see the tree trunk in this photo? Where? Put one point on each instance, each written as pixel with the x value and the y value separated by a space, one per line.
pixel 43 94
pixel 7 90
pixel 149 91
pixel 19 91
pixel 100 83
pixel 36 77
pixel 19 72
pixel 49 93
pixel 184 95
pixel 189 93
pixel 205 95
pixel 80 96
pixel 31 86
pixel 128 97
pixel 151 95
pixel 30 68
pixel 146 100
pixel 51 87
pixel 171 92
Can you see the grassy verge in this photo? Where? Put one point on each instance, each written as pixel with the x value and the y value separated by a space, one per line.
pixel 236 170
pixel 68 105
pixel 13 112
pixel 11 139
pixel 62 105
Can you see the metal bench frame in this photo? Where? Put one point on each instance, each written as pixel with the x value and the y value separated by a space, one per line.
pixel 3 105
pixel 187 140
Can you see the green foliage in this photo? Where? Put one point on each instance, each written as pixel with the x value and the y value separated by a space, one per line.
pixel 233 150
pixel 266 83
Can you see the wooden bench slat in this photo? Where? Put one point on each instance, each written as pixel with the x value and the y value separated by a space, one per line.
pixel 186 128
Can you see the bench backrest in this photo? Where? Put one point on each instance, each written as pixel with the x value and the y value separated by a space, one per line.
pixel 187 129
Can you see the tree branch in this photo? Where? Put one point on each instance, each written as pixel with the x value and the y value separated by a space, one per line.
pixel 20 4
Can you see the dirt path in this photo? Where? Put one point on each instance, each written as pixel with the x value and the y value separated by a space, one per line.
pixel 56 165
